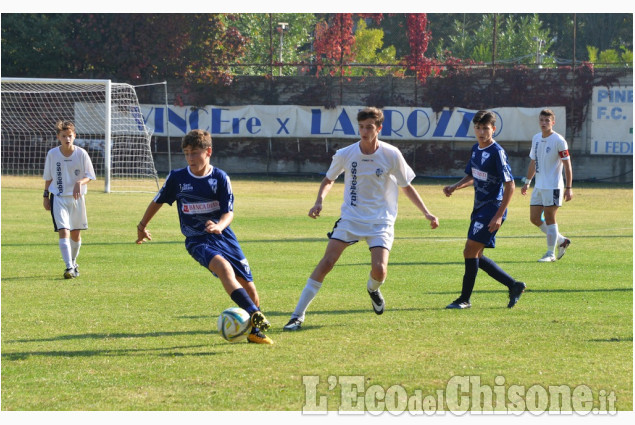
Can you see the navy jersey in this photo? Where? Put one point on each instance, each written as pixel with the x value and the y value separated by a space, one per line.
pixel 198 198
pixel 490 169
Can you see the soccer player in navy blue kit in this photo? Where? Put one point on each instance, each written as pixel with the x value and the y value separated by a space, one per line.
pixel 205 202
pixel 489 172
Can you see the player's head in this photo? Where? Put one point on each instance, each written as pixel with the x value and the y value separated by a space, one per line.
pixel 63 125
pixel 371 112
pixel 197 139
pixel 484 118
pixel 548 113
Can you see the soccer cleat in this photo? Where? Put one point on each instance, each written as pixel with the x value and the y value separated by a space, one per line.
pixel 515 292
pixel 562 248
pixel 76 270
pixel 69 273
pixel 294 325
pixel 547 258
pixel 378 301
pixel 459 304
pixel 259 338
pixel 258 320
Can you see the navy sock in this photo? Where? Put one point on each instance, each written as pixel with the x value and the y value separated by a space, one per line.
pixel 469 278
pixel 241 298
pixel 491 268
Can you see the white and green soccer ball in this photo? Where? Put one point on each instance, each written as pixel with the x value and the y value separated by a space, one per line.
pixel 234 324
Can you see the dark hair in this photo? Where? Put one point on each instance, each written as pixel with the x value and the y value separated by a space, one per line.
pixel 484 117
pixel 547 113
pixel 62 125
pixel 197 139
pixel 371 112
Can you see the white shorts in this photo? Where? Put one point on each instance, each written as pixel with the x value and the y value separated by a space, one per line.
pixel 375 235
pixel 69 213
pixel 546 197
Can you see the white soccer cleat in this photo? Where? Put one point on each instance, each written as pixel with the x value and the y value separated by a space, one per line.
pixel 547 258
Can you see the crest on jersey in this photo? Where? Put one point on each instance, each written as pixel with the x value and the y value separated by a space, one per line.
pixel 379 172
pixel 548 149
pixel 477 227
pixel 484 157
pixel 213 184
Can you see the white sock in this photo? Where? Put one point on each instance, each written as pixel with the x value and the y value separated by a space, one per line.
pixel 65 249
pixel 75 250
pixel 308 293
pixel 552 237
pixel 543 227
pixel 373 284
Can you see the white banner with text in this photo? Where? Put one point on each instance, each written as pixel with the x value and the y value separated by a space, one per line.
pixel 612 121
pixel 292 121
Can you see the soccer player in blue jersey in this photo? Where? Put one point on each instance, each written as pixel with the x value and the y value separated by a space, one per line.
pixel 489 172
pixel 205 202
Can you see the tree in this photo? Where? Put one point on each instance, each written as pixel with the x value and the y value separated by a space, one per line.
pixel 520 39
pixel 34 45
pixel 262 34
pixel 369 49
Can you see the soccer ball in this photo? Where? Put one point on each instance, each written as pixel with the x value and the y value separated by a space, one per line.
pixel 234 324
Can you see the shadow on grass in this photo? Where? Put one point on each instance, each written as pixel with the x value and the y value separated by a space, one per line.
pixel 112 336
pixel 23 355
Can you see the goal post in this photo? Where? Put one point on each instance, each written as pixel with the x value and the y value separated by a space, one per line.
pixel 108 122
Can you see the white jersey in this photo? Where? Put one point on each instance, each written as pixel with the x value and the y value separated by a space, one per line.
pixel 371 182
pixel 65 171
pixel 549 153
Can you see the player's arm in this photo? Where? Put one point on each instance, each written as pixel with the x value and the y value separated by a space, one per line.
pixel 466 181
pixel 47 201
pixel 497 220
pixel 415 198
pixel 224 221
pixel 142 231
pixel 531 172
pixel 325 188
pixel 77 189
pixel 568 175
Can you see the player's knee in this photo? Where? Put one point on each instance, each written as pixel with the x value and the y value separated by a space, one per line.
pixel 379 271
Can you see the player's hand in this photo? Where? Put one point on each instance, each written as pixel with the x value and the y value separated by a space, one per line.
pixel 568 195
pixel 143 234
pixel 315 211
pixel 448 190
pixel 47 204
pixel 77 190
pixel 434 221
pixel 523 189
pixel 495 224
pixel 211 227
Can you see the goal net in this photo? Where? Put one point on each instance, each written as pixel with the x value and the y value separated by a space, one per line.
pixel 108 123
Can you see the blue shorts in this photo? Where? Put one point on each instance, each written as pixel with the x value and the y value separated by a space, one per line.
pixel 478 230
pixel 205 247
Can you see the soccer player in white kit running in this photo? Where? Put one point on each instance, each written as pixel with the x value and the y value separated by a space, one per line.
pixel 549 155
pixel 373 172
pixel 67 170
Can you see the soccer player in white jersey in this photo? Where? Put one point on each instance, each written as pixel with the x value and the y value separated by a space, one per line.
pixel 67 170
pixel 488 171
pixel 205 201
pixel 373 173
pixel 549 155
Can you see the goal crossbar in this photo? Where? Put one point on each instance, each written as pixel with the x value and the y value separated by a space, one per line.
pixel 108 122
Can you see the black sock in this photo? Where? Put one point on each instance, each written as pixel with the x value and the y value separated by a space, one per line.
pixel 241 298
pixel 469 278
pixel 491 268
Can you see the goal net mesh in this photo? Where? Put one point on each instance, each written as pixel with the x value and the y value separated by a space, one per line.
pixel 31 108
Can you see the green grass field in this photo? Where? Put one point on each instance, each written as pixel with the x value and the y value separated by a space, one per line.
pixel 137 330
